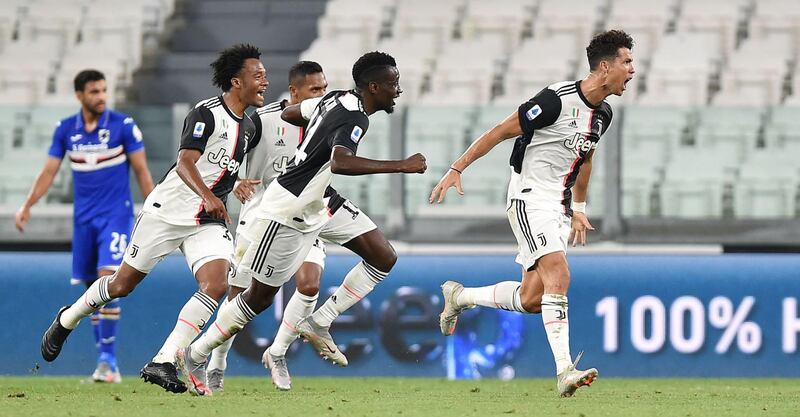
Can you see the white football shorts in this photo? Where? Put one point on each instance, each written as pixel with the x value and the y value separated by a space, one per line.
pixel 538 232
pixel 152 239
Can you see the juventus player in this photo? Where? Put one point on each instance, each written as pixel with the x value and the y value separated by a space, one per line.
pixel 557 132
pixel 186 210
pixel 293 212
pixel 278 142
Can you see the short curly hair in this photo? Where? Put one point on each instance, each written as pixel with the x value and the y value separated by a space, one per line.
pixel 230 62
pixel 606 45
pixel 369 67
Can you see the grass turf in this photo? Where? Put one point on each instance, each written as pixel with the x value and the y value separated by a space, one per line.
pixel 350 397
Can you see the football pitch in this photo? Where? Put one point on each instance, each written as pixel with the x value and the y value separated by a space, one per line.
pixel 67 396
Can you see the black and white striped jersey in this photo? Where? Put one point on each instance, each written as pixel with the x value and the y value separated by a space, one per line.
pixel 559 128
pixel 278 142
pixel 295 198
pixel 224 139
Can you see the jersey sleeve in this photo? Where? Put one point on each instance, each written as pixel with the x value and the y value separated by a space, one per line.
pixel 351 132
pixel 58 147
pixel 132 139
pixel 197 128
pixel 540 111
pixel 257 132
pixel 307 107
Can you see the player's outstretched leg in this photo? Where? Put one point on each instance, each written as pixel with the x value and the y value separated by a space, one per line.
pixel 278 369
pixel 54 338
pixel 571 379
pixel 195 372
pixel 165 375
pixel 449 317
pixel 100 293
pixel 300 306
pixel 320 338
pixel 218 362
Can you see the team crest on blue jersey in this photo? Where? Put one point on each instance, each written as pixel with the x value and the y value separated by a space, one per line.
pixel 356 135
pixel 199 127
pixel 534 112
pixel 104 135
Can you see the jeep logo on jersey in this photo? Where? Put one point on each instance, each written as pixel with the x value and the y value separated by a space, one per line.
pixel 355 136
pixel 533 112
pixel 580 143
pixel 199 127
pixel 224 161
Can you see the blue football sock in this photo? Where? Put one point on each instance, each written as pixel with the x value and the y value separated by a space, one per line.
pixel 109 316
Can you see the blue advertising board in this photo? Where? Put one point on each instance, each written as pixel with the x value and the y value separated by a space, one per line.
pixel 733 315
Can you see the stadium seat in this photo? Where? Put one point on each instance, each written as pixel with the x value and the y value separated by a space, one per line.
pixel 337 58
pixel 694 183
pixel 362 18
pixel 767 186
pixel 415 58
pixel 776 16
pixel 437 18
pixel 460 78
pixel 51 23
pixel 642 171
pixel 719 17
pixel 736 128
pixel 661 128
pixel 577 19
pixel 756 71
pixel 509 21
pixel 527 74
pixel 783 128
pixel 680 75
pixel 644 21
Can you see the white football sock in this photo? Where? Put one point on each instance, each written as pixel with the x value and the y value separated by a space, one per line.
pixel 230 319
pixel 219 356
pixel 299 307
pixel 556 324
pixel 503 295
pixel 357 284
pixel 192 318
pixel 91 300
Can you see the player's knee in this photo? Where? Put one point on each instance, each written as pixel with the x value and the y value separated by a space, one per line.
pixel 531 301
pixel 385 262
pixel 215 290
pixel 533 306
pixel 119 287
pixel 308 288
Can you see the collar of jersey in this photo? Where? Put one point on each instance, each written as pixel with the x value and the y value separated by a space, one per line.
pixel 230 113
pixel 580 94
pixel 103 122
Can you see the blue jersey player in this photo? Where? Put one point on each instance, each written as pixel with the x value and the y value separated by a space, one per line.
pixel 100 144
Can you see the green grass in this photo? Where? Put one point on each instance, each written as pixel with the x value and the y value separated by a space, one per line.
pixel 350 397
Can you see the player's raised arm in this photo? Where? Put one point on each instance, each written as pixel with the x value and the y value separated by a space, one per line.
pixel 300 113
pixel 506 129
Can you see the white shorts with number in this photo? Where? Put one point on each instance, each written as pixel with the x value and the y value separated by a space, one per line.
pixel 152 239
pixel 538 232
pixel 346 224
